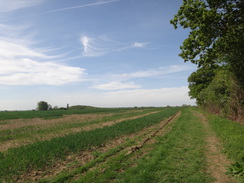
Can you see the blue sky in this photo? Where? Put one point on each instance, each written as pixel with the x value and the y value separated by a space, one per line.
pixel 104 53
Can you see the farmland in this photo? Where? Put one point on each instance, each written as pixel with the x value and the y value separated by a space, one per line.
pixel 171 144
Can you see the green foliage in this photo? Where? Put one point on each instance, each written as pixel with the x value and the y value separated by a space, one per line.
pixel 216 39
pixel 216 29
pixel 200 79
pixel 237 169
pixel 42 106
pixel 217 92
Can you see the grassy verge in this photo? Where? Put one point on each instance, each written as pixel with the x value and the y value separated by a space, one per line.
pixel 232 136
pixel 177 157
pixel 44 153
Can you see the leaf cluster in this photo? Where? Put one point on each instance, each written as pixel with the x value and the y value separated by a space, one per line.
pixel 216 29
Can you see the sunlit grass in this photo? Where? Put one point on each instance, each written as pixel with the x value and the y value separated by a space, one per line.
pixel 177 157
pixel 232 136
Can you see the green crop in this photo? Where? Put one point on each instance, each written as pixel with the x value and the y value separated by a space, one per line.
pixel 44 153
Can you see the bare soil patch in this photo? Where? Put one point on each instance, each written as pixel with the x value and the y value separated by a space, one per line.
pixel 217 162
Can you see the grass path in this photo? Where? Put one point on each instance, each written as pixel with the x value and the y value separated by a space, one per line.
pixel 217 162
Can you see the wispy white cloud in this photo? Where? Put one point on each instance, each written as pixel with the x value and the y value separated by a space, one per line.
pixel 126 81
pixel 93 47
pixel 84 5
pixel 114 85
pixel 7 6
pixel 11 48
pixel 31 72
pixel 139 44
pixel 161 71
pixel 102 45
pixel 22 63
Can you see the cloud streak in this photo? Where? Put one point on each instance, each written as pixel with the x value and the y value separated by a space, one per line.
pixel 102 45
pixel 93 47
pixel 82 6
pixel 162 71
pixel 8 6
pixel 139 45
pixel 114 85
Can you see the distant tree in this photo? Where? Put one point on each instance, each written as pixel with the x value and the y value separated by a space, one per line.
pixel 50 107
pixel 42 106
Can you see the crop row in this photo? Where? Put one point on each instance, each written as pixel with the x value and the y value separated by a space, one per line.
pixel 34 131
pixel 41 154
pixel 6 115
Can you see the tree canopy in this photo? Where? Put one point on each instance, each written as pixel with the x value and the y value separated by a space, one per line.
pixel 217 28
pixel 42 106
pixel 216 44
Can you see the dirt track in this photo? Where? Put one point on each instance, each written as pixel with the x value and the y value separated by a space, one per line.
pixel 217 162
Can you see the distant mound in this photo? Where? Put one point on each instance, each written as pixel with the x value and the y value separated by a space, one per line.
pixel 79 107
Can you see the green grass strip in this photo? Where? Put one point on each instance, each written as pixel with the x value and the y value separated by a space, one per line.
pixel 179 156
pixel 232 136
pixel 44 153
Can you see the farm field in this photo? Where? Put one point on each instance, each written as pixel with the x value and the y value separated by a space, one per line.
pixel 171 144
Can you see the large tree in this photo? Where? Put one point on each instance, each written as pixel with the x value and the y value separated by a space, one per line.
pixel 216 31
pixel 216 44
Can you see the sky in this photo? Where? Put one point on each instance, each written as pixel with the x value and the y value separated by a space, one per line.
pixel 103 53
